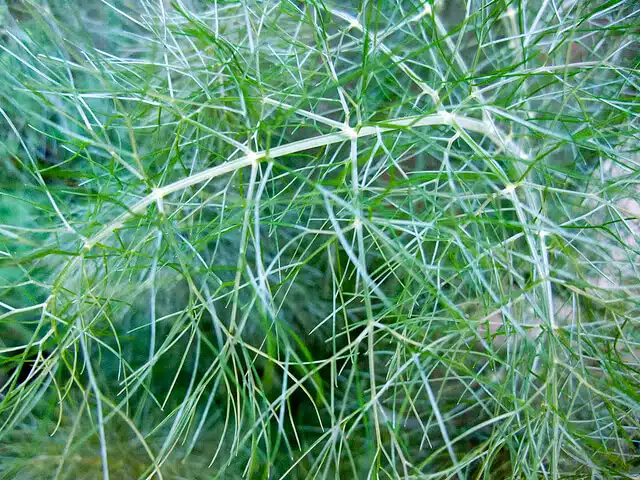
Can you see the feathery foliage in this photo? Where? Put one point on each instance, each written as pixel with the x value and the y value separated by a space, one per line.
pixel 296 239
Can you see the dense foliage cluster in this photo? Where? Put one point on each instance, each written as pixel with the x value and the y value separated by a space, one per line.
pixel 295 239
